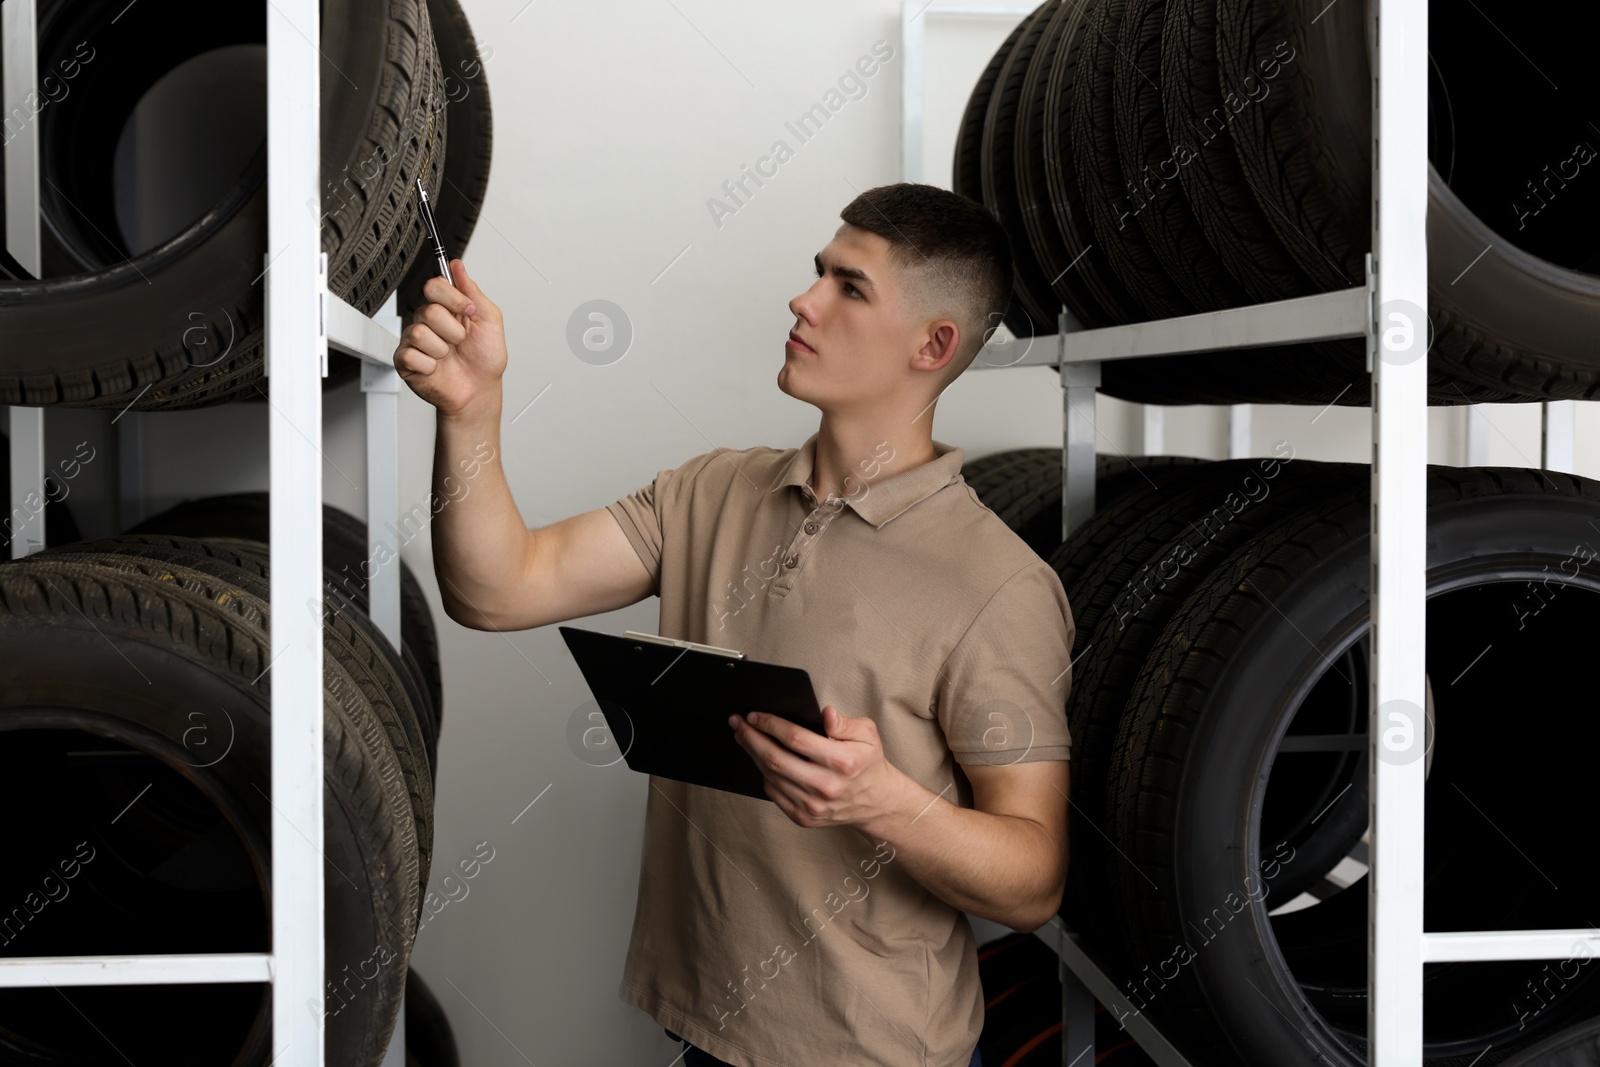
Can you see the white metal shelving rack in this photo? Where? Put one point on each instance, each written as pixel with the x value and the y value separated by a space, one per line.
pixel 1397 271
pixel 302 320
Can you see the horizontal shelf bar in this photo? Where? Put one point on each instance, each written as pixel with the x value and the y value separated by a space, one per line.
pixel 1510 945
pixel 359 335
pixel 1319 317
pixel 1041 350
pixel 173 969
pixel 1065 941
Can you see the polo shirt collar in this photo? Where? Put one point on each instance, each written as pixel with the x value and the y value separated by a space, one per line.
pixel 891 495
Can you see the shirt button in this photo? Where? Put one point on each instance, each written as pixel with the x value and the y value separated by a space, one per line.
pixel 811 527
pixel 791 561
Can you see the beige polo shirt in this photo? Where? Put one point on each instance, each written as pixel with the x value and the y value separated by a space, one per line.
pixel 769 944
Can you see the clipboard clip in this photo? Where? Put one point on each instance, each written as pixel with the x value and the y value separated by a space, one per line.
pixel 676 643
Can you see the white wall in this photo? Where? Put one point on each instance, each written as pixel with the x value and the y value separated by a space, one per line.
pixel 614 124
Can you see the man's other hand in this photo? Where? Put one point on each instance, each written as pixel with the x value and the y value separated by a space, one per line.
pixel 454 352
pixel 842 779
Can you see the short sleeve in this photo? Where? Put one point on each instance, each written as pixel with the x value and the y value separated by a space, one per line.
pixel 647 513
pixel 1001 695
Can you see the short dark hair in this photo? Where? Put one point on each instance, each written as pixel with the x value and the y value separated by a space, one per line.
pixel 953 250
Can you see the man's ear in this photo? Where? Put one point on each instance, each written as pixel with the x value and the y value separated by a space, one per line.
pixel 944 338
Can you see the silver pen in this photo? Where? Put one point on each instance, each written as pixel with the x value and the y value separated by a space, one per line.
pixel 433 235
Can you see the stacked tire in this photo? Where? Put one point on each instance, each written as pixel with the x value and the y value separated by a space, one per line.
pixel 136 708
pixel 1218 710
pixel 1157 158
pixel 151 294
pixel 135 670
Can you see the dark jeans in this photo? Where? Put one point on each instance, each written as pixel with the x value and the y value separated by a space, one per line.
pixel 696 1057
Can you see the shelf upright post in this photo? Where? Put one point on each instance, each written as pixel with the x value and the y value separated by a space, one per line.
pixel 1240 431
pixel 24 519
pixel 296 357
pixel 20 90
pixel 380 384
pixel 1397 343
pixel 1557 436
pixel 19 36
pixel 1080 386
pixel 913 33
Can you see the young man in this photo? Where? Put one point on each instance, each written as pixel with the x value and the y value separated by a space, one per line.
pixel 827 926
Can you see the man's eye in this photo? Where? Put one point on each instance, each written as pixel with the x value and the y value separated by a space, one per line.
pixel 852 289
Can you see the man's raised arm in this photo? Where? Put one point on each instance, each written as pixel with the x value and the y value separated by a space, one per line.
pixel 494 573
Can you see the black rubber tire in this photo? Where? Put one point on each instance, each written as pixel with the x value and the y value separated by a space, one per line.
pixel 1578 1046
pixel 403 666
pixel 966 168
pixel 1110 303
pixel 1116 552
pixel 1219 193
pixel 344 547
pixel 348 636
pixel 1095 109
pixel 1031 286
pixel 103 331
pixel 1161 209
pixel 1524 327
pixel 1213 181
pixel 71 628
pixel 1159 232
pixel 1052 247
pixel 1023 487
pixel 1087 903
pixel 468 149
pixel 347 544
pixel 429 1040
pixel 1189 802
pixel 1119 476
pixel 1091 288
pixel 1133 486
pixel 1121 602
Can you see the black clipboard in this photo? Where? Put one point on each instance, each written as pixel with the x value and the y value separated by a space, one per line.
pixel 667 704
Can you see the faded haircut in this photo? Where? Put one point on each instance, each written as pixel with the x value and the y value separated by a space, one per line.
pixel 951 251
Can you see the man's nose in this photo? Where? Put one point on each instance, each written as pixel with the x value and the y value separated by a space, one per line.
pixel 804 304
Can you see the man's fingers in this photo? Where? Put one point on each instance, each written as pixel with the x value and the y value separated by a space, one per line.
pixel 788 764
pixel 458 271
pixel 440 291
pixel 799 738
pixel 408 359
pixel 420 335
pixel 445 325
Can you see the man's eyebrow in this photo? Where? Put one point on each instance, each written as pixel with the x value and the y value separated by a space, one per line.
pixel 839 271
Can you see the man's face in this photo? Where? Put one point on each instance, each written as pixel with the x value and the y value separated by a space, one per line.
pixel 858 343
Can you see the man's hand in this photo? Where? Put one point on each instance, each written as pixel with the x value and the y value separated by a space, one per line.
pixel 454 352
pixel 842 779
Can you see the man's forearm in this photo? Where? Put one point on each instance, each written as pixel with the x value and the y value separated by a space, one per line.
pixel 479 539
pixel 993 866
